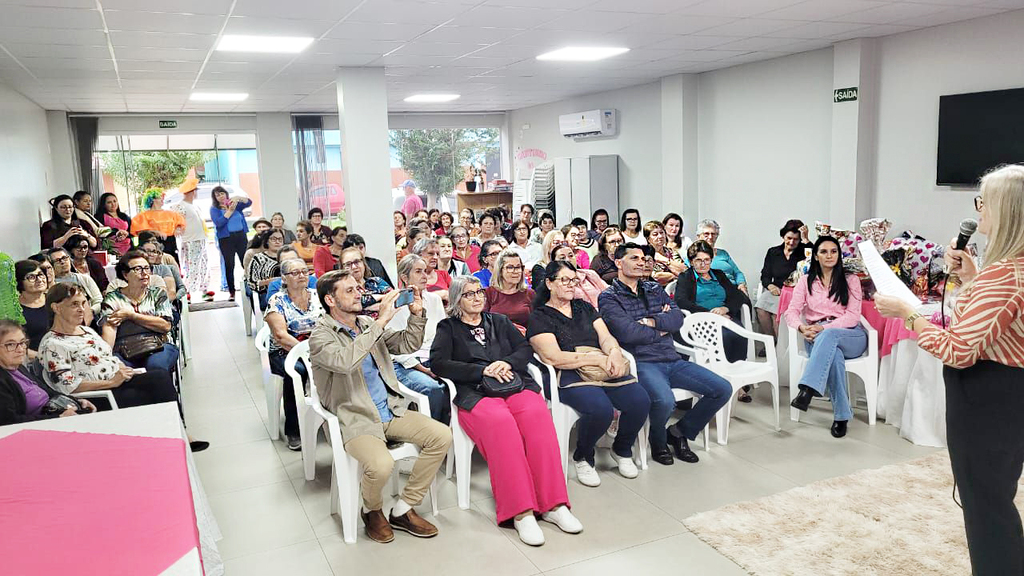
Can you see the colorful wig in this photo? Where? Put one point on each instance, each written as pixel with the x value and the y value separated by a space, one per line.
pixel 149 195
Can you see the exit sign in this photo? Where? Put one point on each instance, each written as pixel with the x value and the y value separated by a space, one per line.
pixel 844 95
pixel 168 123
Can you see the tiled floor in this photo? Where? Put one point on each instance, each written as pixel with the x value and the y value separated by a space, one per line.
pixel 274 522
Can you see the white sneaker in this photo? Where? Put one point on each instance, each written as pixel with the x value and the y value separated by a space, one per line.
pixel 529 532
pixel 586 474
pixel 627 468
pixel 564 519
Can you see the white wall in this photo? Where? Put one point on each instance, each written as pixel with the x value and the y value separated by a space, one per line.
pixel 638 143
pixel 915 69
pixel 25 164
pixel 764 150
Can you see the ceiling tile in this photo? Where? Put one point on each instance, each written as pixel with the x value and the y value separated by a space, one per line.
pixel 29 35
pixel 450 49
pixel 952 15
pixel 326 10
pixel 47 17
pixel 507 17
pixel 822 9
pixel 891 13
pixel 678 24
pixel 873 31
pixel 643 6
pixel 735 8
pixel 815 30
pixel 385 32
pixel 133 39
pixel 405 12
pixel 481 34
pixel 761 43
pixel 693 42
pixel 750 27
pixel 594 22
pixel 162 21
pixel 57 51
pixel 208 7
pixel 257 26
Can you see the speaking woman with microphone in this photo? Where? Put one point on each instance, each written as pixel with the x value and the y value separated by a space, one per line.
pixel 983 353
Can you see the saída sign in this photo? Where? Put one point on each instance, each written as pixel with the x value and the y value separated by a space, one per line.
pixel 844 95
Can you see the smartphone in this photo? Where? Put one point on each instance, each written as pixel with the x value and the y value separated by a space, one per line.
pixel 404 299
pixel 138 370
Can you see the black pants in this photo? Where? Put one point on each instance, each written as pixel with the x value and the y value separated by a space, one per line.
pixel 171 247
pixel 152 387
pixel 233 245
pixel 984 404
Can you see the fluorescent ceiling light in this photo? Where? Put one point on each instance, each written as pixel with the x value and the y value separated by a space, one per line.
pixel 582 53
pixel 277 44
pixel 432 98
pixel 218 96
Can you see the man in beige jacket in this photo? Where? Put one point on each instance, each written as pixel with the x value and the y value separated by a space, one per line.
pixel 353 370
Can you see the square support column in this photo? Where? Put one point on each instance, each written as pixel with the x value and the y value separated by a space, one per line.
pixel 853 133
pixel 679 180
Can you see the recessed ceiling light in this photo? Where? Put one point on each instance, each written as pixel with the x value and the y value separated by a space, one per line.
pixel 432 98
pixel 582 53
pixel 218 96
pixel 278 44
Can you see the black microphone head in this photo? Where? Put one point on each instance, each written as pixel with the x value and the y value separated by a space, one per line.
pixel 968 226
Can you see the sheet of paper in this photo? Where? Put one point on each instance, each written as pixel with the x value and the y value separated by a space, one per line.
pixel 886 281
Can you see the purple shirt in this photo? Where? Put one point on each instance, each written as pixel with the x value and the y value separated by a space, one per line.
pixel 35 397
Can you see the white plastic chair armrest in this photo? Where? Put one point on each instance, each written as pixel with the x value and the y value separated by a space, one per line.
pixel 263 338
pixel 422 404
pixel 105 394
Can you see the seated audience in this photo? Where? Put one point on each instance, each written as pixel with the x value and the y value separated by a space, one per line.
pixel 502 411
pixel 552 240
pixel 545 224
pixel 175 287
pixel 673 224
pixel 526 214
pixel 446 258
pixel 355 378
pixel 465 251
pixel 701 289
pixel 642 317
pixel 412 235
pixel 468 221
pixel 589 285
pixel 110 215
pixel 135 320
pixel 507 293
pixel 373 265
pixel 166 223
pixel 599 221
pixel 326 257
pixel 603 263
pixel 437 280
pixel 434 217
pixel 262 268
pixel 445 221
pixel 826 311
pixel 277 221
pixel 584 242
pixel 63 224
pixel 291 314
pixel 321 233
pixel 31 282
pixel 23 398
pixel 44 265
pixel 413 369
pixel 372 288
pixel 147 236
pixel 287 253
pixel 593 377
pixel 399 220
pixel 302 244
pixel 61 262
pixel 709 232
pixel 629 225
pixel 572 235
pixel 529 251
pixel 488 229
pixel 487 258
pixel 779 263
pixel 668 264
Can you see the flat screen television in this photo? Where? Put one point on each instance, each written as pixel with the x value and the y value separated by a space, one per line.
pixel 978 132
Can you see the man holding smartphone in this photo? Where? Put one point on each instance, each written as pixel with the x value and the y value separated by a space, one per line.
pixel 355 375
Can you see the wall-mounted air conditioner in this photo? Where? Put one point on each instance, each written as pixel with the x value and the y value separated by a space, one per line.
pixel 589 124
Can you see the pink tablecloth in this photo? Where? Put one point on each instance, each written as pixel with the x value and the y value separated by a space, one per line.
pixel 890 330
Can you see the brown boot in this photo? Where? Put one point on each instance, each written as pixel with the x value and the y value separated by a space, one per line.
pixel 414 524
pixel 377 527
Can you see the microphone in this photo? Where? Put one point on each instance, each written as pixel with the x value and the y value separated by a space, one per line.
pixel 968 226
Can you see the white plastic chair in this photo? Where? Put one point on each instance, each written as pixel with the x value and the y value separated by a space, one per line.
pixel 104 394
pixel 346 471
pixel 866 367
pixel 247 314
pixel 186 333
pixel 253 317
pixel 309 420
pixel 273 385
pixel 566 417
pixel 462 451
pixel 704 332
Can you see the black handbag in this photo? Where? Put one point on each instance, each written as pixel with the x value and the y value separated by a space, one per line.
pixel 135 342
pixel 61 402
pixel 494 388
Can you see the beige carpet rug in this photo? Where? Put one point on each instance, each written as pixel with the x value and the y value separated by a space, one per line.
pixel 894 520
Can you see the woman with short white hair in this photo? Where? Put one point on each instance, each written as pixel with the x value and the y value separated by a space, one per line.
pixel 708 230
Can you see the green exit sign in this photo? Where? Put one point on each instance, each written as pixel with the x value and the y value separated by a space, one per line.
pixel 168 123
pixel 844 95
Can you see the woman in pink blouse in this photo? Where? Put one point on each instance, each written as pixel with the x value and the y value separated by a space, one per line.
pixel 983 353
pixel 826 311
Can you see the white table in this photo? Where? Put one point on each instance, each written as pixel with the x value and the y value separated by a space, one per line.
pixel 911 394
pixel 155 421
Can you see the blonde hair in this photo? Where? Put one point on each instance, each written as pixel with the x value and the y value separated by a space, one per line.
pixel 549 239
pixel 1002 190
pixel 498 279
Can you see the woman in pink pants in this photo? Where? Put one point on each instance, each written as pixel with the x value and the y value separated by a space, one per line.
pixel 502 411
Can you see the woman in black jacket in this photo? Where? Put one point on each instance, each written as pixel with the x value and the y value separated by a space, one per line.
pixel 483 353
pixel 701 289
pixel 23 397
pixel 779 262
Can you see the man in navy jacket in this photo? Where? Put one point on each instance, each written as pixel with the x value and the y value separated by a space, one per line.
pixel 642 317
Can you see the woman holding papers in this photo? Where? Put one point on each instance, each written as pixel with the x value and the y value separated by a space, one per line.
pixel 826 311
pixel 983 353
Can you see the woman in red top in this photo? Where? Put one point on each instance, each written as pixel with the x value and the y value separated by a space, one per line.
pixel 507 293
pixel 464 250
pixel 983 353
pixel 437 280
pixel 446 221
pixel 326 258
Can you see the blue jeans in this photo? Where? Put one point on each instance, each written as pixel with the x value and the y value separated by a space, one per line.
pixel 595 405
pixel 166 360
pixel 826 370
pixel 419 382
pixel 658 378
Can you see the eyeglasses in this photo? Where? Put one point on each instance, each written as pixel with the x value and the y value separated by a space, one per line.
pixel 493 254
pixel 82 247
pixel 613 241
pixel 297 273
pixel 514 268
pixel 61 259
pixel 36 276
pixel 631 219
pixel 568 281
pixel 460 236
pixel 979 202
pixel 709 234
pixel 351 265
pixel 153 252
pixel 702 261
pixel 141 270
pixel 474 294
pixel 14 346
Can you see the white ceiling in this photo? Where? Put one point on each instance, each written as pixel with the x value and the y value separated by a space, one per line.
pixel 147 56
